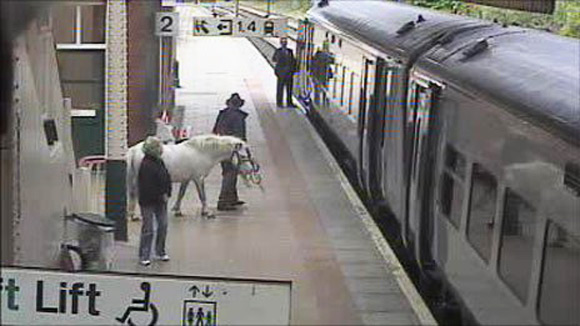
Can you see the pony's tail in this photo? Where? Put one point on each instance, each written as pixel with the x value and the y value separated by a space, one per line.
pixel 131 183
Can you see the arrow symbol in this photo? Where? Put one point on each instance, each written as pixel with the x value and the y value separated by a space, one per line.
pixel 200 26
pixel 194 290
pixel 225 24
pixel 207 293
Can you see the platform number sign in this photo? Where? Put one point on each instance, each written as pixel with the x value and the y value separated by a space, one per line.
pixel 167 24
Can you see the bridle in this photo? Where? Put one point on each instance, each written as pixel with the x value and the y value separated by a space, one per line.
pixel 251 174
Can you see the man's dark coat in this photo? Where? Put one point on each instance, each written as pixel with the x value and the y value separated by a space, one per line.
pixel 231 122
pixel 154 181
pixel 285 63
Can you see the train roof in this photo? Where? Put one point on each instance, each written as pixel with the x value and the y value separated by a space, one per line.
pixel 534 73
pixel 379 24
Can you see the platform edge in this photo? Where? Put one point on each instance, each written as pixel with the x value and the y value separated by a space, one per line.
pixel 389 258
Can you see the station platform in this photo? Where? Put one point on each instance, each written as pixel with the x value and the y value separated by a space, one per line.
pixel 307 225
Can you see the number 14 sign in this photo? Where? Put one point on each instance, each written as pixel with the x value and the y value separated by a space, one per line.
pixel 238 26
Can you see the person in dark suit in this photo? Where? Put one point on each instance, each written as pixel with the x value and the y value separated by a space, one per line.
pixel 285 68
pixel 154 187
pixel 230 121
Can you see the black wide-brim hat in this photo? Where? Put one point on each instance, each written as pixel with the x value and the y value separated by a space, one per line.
pixel 235 100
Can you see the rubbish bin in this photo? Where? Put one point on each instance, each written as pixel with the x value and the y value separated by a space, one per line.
pixel 95 238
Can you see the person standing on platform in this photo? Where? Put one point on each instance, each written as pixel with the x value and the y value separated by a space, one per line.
pixel 285 68
pixel 230 121
pixel 154 187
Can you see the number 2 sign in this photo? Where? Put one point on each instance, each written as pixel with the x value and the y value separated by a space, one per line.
pixel 167 24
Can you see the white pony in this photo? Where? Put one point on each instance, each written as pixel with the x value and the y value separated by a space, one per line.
pixel 191 160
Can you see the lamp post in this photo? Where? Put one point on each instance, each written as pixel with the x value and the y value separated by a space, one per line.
pixel 268 8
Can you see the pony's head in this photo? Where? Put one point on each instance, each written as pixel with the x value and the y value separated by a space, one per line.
pixel 218 145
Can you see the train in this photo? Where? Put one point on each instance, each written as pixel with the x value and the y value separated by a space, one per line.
pixel 463 136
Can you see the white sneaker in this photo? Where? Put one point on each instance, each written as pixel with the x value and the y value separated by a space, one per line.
pixel 164 258
pixel 145 262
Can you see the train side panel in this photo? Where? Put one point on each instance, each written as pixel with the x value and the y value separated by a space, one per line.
pixel 500 203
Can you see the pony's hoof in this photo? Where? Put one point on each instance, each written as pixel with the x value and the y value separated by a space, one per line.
pixel 207 215
pixel 135 218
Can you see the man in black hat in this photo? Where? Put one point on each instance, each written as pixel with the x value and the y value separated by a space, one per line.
pixel 285 68
pixel 230 121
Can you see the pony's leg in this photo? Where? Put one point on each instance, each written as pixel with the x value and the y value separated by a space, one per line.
pixel 131 188
pixel 177 206
pixel 131 205
pixel 201 192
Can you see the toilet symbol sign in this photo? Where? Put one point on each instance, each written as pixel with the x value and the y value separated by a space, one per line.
pixel 32 296
pixel 199 313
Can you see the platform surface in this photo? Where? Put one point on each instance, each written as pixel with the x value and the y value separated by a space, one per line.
pixel 305 227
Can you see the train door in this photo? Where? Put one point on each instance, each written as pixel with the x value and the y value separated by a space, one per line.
pixel 376 122
pixel 420 144
pixel 390 142
pixel 366 100
pixel 303 85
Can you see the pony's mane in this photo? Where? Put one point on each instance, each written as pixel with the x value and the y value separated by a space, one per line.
pixel 213 142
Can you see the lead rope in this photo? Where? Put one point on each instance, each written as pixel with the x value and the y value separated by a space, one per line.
pixel 251 175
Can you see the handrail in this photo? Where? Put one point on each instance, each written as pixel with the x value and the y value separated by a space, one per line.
pixel 92 160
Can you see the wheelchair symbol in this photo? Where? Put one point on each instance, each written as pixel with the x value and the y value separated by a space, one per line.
pixel 143 305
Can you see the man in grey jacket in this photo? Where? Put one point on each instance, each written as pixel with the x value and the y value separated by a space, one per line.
pixel 154 184
pixel 230 121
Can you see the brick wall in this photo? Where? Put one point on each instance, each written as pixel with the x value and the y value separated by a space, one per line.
pixel 143 68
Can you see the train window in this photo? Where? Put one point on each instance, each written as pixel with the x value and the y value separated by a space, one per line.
pixel 482 202
pixel 335 82
pixel 517 243
pixel 455 161
pixel 342 85
pixel 559 301
pixel 451 192
pixel 572 178
pixel 356 92
pixel 351 93
pixel 50 131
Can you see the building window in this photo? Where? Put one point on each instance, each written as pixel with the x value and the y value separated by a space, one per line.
pixel 482 206
pixel 82 75
pixel 79 26
pixel 517 243
pixel 451 192
pixel 559 302
pixel 93 24
pixel 64 24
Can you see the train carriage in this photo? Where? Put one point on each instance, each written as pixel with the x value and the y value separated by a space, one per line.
pixel 498 191
pixel 372 44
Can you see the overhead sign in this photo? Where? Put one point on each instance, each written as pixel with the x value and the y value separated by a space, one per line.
pixel 239 26
pixel 38 297
pixel 167 24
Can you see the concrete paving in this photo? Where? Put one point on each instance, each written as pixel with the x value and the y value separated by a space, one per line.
pixel 301 228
